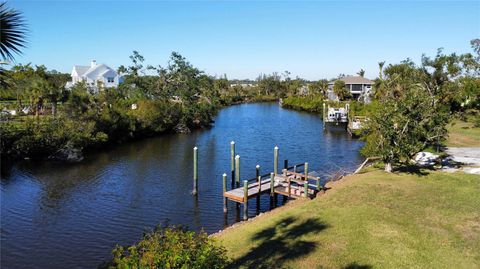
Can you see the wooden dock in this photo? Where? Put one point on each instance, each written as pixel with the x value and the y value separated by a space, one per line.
pixel 290 183
pixel 238 194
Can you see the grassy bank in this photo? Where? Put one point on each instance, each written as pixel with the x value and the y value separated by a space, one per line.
pixel 369 220
pixel 463 133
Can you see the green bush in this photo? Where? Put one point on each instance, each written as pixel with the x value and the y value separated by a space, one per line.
pixel 156 115
pixel 362 109
pixel 311 103
pixel 171 247
pixel 44 136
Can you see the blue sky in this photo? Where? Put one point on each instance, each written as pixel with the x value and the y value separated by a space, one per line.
pixel 313 40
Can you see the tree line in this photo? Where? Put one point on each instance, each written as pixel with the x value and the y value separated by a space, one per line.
pixel 411 103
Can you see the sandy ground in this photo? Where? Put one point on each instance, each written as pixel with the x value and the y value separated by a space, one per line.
pixel 469 157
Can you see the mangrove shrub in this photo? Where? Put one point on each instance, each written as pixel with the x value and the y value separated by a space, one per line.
pixel 171 247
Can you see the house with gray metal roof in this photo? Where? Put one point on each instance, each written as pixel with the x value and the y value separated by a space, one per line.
pixel 359 87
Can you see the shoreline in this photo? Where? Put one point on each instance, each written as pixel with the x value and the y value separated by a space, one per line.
pixel 329 188
pixel 329 185
pixel 81 153
pixel 371 211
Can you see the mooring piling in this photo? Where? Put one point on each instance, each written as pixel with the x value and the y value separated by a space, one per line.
pixel 237 170
pixel 259 180
pixel 245 199
pixel 272 182
pixel 289 183
pixel 232 161
pixel 259 193
pixel 195 171
pixel 224 177
pixel 289 186
pixel 306 180
pixel 275 160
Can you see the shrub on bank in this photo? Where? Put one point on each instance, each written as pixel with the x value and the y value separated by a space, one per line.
pixel 96 124
pixel 156 115
pixel 170 247
pixel 311 103
pixel 43 136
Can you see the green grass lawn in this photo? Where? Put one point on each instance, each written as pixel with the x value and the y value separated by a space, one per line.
pixel 369 220
pixel 463 134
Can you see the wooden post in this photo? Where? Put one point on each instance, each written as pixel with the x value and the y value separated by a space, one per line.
pixel 272 184
pixel 237 170
pixel 195 171
pixel 232 161
pixel 284 172
pixel 259 193
pixel 259 179
pixel 306 180
pixel 245 199
pixel 318 183
pixel 275 160
pixel 224 191
pixel 289 187
pixel 259 185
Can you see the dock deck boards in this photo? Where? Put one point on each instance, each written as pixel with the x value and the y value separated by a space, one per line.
pixel 253 190
pixel 280 187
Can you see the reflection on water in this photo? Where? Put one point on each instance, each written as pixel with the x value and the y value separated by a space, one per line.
pixel 56 215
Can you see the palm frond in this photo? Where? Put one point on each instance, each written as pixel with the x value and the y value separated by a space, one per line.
pixel 12 32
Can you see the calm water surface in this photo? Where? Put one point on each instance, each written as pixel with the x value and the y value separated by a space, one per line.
pixel 71 216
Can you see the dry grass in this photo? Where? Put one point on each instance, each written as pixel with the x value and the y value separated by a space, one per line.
pixel 463 134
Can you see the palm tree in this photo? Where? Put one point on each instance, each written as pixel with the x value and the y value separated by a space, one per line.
pixel 12 32
pixel 12 38
pixel 324 86
pixel 361 72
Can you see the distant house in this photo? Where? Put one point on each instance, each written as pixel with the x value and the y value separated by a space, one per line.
pixel 359 87
pixel 96 76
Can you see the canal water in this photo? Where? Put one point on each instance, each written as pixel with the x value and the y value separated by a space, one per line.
pixel 57 215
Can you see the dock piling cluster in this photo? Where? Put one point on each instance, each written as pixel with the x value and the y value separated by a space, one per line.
pixel 290 183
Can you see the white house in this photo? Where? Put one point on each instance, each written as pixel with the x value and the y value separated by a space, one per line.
pixel 96 76
pixel 359 87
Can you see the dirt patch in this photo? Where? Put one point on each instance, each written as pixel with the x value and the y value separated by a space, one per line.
pixel 470 228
